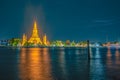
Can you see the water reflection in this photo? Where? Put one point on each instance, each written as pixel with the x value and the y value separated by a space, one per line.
pixel 113 57
pixel 117 55
pixel 97 69
pixel 113 64
pixel 109 53
pixel 62 61
pixel 62 64
pixel 34 64
pixel 59 64
pixel 109 57
pixel 97 55
pixel 68 64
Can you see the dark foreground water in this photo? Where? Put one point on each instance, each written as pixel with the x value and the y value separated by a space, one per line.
pixel 59 64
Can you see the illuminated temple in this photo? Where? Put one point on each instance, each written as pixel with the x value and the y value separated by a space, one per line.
pixel 35 39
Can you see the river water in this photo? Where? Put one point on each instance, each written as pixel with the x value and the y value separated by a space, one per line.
pixel 59 64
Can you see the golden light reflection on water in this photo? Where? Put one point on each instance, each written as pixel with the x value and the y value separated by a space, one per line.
pixel 113 62
pixel 117 55
pixel 109 59
pixel 34 64
pixel 109 53
pixel 113 58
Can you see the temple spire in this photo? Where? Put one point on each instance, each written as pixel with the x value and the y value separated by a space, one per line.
pixel 35 25
pixel 24 39
pixel 35 37
pixel 45 39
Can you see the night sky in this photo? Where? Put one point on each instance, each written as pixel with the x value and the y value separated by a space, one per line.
pixel 96 20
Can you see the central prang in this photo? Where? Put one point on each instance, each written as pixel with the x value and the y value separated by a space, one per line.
pixel 35 39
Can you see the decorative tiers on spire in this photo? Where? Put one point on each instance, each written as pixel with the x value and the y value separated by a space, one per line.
pixel 35 37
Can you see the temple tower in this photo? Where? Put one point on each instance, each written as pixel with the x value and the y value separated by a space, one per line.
pixel 24 39
pixel 45 40
pixel 35 37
